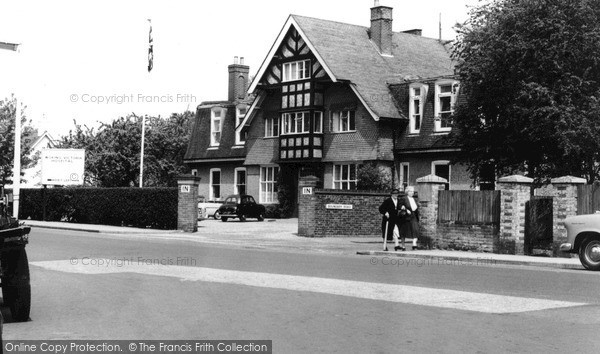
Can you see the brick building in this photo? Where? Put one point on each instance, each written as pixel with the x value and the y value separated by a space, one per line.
pixel 329 97
pixel 217 150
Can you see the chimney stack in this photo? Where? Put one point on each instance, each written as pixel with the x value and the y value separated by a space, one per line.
pixel 238 79
pixel 381 28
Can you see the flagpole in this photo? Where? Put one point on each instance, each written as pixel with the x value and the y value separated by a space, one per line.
pixel 150 65
pixel 142 154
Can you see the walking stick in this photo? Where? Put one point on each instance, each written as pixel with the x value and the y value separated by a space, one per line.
pixel 387 222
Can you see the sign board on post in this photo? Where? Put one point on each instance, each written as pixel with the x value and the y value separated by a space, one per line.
pixel 63 167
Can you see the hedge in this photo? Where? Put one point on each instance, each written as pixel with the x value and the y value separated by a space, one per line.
pixel 138 207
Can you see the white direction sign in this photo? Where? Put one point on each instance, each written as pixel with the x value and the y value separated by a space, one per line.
pixel 63 166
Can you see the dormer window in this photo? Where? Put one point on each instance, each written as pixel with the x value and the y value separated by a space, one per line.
pixel 296 70
pixel 240 113
pixel 445 100
pixel 418 93
pixel 216 125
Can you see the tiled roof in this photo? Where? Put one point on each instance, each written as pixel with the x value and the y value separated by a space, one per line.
pixel 350 55
pixel 199 145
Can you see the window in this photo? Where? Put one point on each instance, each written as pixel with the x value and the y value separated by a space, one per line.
pixel 296 70
pixel 271 127
pixel 318 122
pixel 441 169
pixel 418 92
pixel 344 177
pixel 342 121
pixel 240 113
pixel 194 172
pixel 268 176
pixel 295 95
pixel 445 99
pixel 215 126
pixel 215 184
pixel 295 123
pixel 240 180
pixel 404 174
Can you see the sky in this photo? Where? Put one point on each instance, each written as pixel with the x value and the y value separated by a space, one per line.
pixel 86 61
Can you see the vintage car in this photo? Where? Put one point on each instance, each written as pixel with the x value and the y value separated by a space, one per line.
pixel 583 237
pixel 208 208
pixel 241 207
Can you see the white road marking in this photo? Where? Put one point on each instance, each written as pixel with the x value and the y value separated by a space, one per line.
pixel 453 299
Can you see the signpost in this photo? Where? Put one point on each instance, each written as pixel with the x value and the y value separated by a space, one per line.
pixel 63 167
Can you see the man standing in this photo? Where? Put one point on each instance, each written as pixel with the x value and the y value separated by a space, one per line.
pixel 389 208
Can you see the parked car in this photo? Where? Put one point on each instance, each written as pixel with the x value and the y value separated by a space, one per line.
pixel 241 207
pixel 583 237
pixel 208 208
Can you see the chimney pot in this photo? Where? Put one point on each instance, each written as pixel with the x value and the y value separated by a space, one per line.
pixel 241 60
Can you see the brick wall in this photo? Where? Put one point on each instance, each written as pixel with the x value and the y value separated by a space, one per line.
pixel 337 213
pixel 466 237
pixel 187 203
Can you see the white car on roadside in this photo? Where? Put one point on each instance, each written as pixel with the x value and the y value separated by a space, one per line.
pixel 208 208
pixel 583 238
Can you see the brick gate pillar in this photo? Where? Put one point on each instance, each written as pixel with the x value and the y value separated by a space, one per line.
pixel 428 188
pixel 187 203
pixel 307 205
pixel 564 204
pixel 515 192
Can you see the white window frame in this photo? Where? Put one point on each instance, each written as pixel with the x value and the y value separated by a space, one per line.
pixel 318 128
pixel 239 118
pixel 438 105
pixel 344 184
pixel 421 97
pixel 404 180
pixel 211 195
pixel 336 121
pixel 235 180
pixel 268 192
pixel 272 129
pixel 214 132
pixel 296 70
pixel 289 123
pixel 442 163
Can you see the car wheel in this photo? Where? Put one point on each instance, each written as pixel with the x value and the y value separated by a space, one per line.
pixel 242 217
pixel 261 217
pixel 217 215
pixel 223 219
pixel 589 254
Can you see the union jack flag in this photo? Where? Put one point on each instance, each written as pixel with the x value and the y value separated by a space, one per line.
pixel 150 48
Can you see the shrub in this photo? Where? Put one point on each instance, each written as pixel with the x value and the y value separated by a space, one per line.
pixel 138 207
pixel 372 177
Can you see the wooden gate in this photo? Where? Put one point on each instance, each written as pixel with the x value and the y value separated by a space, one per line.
pixel 588 198
pixel 538 225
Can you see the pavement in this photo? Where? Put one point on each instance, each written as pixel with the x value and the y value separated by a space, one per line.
pixel 281 234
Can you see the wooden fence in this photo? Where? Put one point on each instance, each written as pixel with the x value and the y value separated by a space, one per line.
pixel 588 198
pixel 479 207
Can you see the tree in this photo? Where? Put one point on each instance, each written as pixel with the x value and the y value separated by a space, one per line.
pixel 530 72
pixel 113 152
pixel 7 140
pixel 373 177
